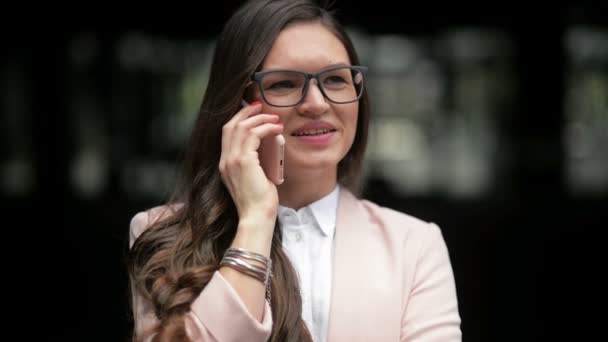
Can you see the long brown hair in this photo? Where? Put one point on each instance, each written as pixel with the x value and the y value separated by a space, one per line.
pixel 172 261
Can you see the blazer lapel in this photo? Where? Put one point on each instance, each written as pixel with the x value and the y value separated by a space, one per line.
pixel 352 291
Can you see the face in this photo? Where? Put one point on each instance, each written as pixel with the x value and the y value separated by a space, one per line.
pixel 318 133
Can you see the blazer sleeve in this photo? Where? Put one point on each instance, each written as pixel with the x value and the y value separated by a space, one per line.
pixel 431 314
pixel 217 314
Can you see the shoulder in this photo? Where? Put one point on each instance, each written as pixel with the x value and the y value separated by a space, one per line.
pixel 397 224
pixel 393 216
pixel 421 243
pixel 144 219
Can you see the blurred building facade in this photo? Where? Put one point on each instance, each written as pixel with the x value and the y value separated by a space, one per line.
pixel 487 129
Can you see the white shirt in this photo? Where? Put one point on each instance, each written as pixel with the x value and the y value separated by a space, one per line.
pixel 308 236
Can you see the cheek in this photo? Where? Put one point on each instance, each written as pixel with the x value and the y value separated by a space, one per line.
pixel 350 121
pixel 283 113
pixel 350 130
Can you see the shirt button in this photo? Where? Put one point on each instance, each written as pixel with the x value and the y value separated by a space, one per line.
pixel 298 236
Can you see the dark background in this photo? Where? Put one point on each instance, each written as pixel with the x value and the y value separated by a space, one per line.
pixel 524 254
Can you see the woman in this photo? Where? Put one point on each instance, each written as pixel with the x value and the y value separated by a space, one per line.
pixel 235 257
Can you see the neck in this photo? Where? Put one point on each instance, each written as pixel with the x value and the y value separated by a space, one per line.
pixel 308 187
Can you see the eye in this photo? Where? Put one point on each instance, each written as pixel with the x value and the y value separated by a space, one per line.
pixel 335 80
pixel 287 84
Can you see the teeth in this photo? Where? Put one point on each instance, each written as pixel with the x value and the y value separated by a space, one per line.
pixel 313 132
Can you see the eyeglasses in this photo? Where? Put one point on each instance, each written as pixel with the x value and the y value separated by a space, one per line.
pixel 286 88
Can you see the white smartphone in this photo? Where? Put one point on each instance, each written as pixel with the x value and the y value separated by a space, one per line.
pixel 272 156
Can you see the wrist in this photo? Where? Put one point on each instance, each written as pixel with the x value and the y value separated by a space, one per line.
pixel 259 215
pixel 257 224
pixel 254 236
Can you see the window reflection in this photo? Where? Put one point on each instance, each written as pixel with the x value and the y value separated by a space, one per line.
pixel 17 164
pixel 586 105
pixel 435 103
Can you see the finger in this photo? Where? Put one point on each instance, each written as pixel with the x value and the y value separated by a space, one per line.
pixel 257 120
pixel 244 129
pixel 252 143
pixel 245 112
pixel 228 128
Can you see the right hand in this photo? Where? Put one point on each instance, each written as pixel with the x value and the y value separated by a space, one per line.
pixel 256 198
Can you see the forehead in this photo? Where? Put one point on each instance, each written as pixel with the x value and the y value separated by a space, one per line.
pixel 306 46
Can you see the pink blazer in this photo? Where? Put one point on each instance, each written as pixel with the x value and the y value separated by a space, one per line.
pixel 392 281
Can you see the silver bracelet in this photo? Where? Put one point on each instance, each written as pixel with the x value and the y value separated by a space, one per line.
pixel 248 255
pixel 242 253
pixel 234 258
pixel 246 267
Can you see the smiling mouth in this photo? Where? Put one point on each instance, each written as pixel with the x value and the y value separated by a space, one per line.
pixel 313 132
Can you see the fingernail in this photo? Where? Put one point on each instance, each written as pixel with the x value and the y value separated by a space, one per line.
pixel 256 102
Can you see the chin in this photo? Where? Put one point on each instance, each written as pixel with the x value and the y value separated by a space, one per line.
pixel 312 162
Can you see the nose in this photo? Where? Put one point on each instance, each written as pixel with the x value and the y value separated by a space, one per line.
pixel 314 103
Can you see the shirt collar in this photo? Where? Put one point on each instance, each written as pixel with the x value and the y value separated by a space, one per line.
pixel 324 211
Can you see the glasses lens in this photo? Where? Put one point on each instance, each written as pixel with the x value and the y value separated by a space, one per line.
pixel 283 88
pixel 342 85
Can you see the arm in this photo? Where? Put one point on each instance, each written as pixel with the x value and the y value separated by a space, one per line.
pixel 218 313
pixel 431 314
pixel 250 290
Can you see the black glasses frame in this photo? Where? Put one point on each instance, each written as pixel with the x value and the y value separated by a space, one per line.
pixel 258 76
